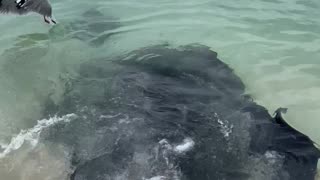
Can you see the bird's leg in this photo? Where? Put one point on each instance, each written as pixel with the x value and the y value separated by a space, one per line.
pixel 54 22
pixel 49 20
pixel 46 20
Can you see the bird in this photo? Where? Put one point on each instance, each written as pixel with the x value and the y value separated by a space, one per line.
pixel 21 7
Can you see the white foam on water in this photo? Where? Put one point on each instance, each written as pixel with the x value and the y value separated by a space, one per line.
pixel 226 129
pixel 31 136
pixel 157 178
pixel 109 116
pixel 187 145
pixel 272 156
pixel 125 120
pixel 166 148
pixel 164 143
pixel 168 151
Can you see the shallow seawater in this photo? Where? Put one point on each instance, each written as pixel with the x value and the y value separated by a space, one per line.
pixel 273 45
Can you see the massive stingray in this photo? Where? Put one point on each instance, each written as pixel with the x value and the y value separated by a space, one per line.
pixel 174 113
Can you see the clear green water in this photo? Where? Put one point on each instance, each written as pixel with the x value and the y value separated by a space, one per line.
pixel 273 45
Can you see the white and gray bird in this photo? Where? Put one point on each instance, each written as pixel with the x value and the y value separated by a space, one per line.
pixel 21 7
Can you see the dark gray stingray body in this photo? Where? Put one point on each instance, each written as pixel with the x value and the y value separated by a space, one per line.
pixel 174 113
pixel 20 7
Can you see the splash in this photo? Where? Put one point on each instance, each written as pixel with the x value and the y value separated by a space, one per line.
pixel 185 146
pixel 157 178
pixel 168 152
pixel 31 136
pixel 226 129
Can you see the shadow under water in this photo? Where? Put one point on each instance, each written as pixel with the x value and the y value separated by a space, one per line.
pixel 33 69
pixel 174 113
pixel 93 27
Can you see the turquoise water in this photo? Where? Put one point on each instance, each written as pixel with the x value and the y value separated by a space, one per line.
pixel 273 45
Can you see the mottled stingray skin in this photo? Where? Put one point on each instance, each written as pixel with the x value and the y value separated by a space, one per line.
pixel 127 104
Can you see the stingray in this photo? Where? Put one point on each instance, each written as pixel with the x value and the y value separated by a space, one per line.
pixel 134 110
pixel 22 7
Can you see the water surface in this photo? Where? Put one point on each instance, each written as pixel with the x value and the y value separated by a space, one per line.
pixel 273 45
